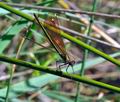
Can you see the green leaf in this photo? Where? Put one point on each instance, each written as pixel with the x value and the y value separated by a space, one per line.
pixel 10 33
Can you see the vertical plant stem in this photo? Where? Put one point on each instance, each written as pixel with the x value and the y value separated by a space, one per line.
pixel 85 51
pixel 12 70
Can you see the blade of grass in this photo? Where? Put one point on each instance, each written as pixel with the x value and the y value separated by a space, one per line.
pixel 9 34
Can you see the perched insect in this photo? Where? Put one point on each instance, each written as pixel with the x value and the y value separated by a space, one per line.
pixel 56 41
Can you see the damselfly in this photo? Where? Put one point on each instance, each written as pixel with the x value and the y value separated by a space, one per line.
pixel 56 41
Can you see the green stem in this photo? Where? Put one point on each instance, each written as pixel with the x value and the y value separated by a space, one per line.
pixel 59 73
pixel 82 44
pixel 86 50
pixel 11 9
pixel 8 86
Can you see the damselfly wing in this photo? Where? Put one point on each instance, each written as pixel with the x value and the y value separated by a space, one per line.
pixel 56 40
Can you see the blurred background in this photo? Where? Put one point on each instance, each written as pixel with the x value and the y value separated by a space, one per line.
pixel 25 40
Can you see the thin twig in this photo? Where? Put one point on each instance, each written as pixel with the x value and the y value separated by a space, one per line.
pixel 59 10
pixel 5 77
